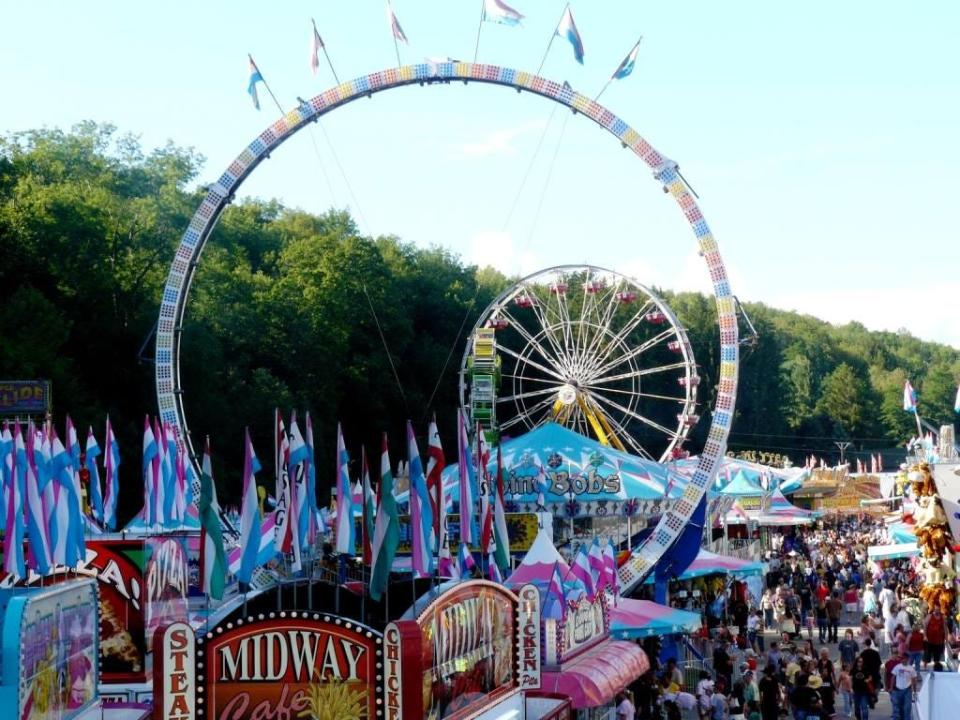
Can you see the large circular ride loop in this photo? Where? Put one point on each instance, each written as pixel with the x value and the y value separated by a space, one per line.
pixel 588 348
pixel 665 171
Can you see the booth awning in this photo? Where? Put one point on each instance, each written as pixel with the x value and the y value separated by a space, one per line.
pixel 596 677
pixel 710 563
pixel 893 552
pixel 630 619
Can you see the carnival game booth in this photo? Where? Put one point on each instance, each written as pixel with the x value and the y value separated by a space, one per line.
pixel 50 663
pixel 581 659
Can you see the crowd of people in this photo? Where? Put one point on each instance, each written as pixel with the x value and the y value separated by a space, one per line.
pixel 830 632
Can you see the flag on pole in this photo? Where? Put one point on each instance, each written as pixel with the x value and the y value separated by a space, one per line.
pixel 492 570
pixel 6 469
pixel 213 554
pixel 159 475
pixel 554 610
pixel 316 45
pixel 14 475
pixel 467 477
pixel 501 538
pixel 249 512
pixel 283 511
pixel 435 466
pixel 90 461
pixel 111 468
pixel 465 561
pixel 610 568
pixel 70 547
pixel 498 11
pixel 386 532
pixel 346 535
pixel 421 513
pixel 299 457
pixel 956 402
pixel 909 397
pixel 568 29
pixel 581 570
pixel 486 511
pixel 597 567
pixel 255 77
pixel 311 482
pixel 628 63
pixel 395 28
pixel 39 548
pixel 368 503
pixel 171 451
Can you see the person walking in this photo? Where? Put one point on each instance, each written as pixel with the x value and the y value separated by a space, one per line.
pixel 901 691
pixel 861 682
pixel 766 605
pixel 625 708
pixel 845 687
pixel 935 631
pixel 770 693
pixel 820 612
pixel 848 648
pixel 915 643
pixel 872 664
pixel 834 613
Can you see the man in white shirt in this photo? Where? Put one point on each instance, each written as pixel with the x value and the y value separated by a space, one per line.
pixel 887 599
pixel 901 697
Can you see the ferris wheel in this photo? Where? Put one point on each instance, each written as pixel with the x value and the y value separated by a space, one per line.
pixel 588 348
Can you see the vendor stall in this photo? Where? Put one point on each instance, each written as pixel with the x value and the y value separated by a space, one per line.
pixel 897 551
pixel 631 619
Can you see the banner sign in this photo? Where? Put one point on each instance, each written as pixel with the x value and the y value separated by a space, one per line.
pixel 290 667
pixel 118 566
pixel 528 638
pixel 24 397
pixel 167 576
pixel 468 653
pixel 174 672
pixel 522 530
pixel 58 650
pixel 402 695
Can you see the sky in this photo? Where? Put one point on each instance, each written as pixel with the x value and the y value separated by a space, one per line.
pixel 820 136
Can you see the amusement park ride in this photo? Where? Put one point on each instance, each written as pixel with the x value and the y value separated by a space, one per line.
pixel 544 348
pixel 578 346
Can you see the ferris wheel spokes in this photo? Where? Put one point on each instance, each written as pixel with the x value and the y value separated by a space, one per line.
pixel 623 333
pixel 638 373
pixel 636 416
pixel 631 353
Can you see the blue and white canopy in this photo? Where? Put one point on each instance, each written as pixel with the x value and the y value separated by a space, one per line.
pixel 571 466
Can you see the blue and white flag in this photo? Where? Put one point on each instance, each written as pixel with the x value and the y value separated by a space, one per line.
pixel 346 534
pixel 421 512
pixel 568 29
pixel 909 397
pixel 956 403
pixel 249 513
pixel 255 77
pixel 90 462
pixel 111 467
pixel 626 67
pixel 299 458
pixel 14 477
pixel 39 552
pixel 499 12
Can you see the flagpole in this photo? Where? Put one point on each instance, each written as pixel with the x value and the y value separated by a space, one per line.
pixel 550 44
pixel 396 44
pixel 476 48
pixel 263 80
pixel 603 89
pixel 323 46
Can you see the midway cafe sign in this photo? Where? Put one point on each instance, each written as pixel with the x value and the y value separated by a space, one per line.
pixel 283 667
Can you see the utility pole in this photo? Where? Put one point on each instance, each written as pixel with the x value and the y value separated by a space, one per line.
pixel 843 445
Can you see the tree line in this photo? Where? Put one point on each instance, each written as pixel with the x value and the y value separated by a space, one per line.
pixel 297 310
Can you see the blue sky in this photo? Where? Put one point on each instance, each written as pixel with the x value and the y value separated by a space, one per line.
pixel 821 136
